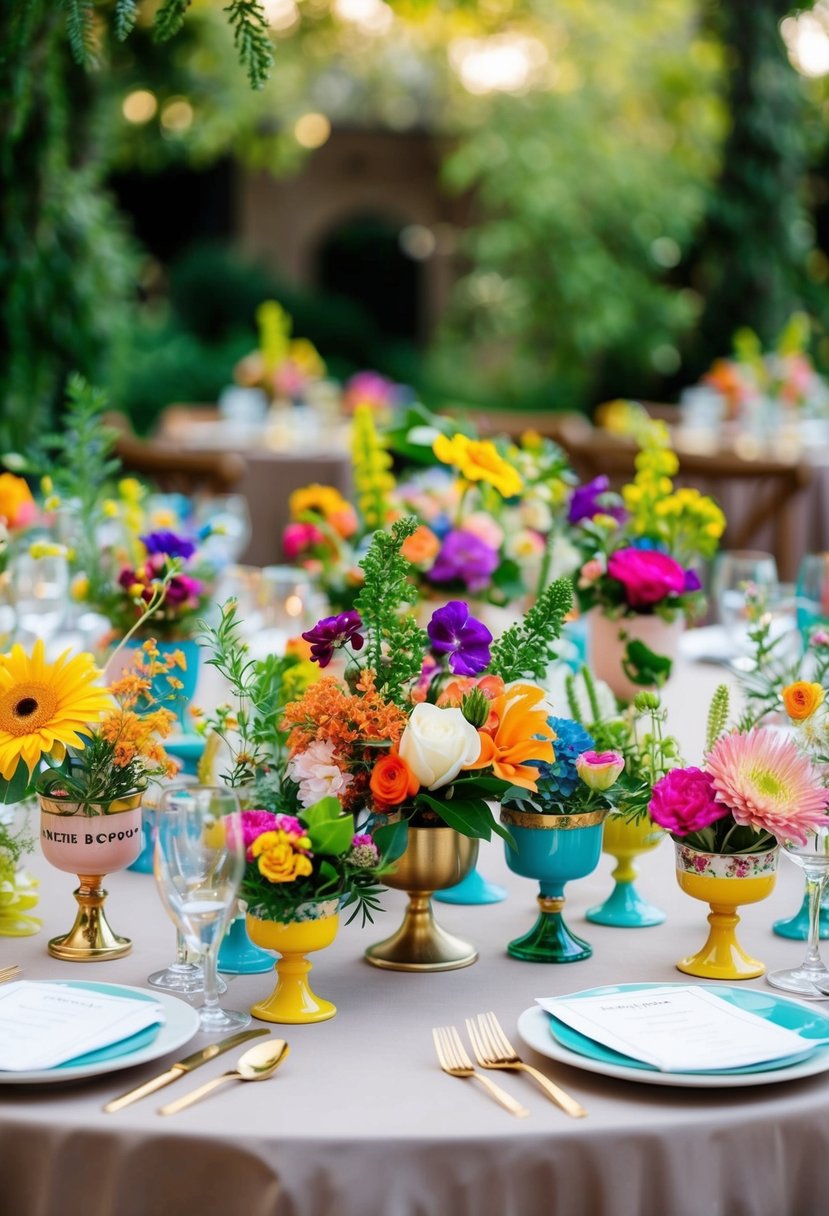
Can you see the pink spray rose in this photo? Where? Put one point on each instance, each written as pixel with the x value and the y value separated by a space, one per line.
pixel 298 537
pixel 646 575
pixel 598 770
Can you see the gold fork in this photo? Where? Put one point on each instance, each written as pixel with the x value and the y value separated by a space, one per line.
pixel 9 973
pixel 493 1049
pixel 453 1060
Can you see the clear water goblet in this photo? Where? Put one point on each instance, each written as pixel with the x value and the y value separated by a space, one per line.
pixel 812 594
pixel 811 978
pixel 40 594
pixel 735 572
pixel 199 862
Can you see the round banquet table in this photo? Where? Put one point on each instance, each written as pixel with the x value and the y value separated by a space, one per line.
pixel 360 1121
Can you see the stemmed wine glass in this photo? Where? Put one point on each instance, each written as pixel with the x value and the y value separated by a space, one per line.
pixel 811 978
pixel 735 571
pixel 40 590
pixel 199 862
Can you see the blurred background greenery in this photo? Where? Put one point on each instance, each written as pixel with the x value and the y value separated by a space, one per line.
pixel 504 203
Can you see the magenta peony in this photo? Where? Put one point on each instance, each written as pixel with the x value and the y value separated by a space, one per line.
pixel 685 800
pixel 646 575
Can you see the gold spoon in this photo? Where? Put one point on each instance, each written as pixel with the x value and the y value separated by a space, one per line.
pixel 256 1064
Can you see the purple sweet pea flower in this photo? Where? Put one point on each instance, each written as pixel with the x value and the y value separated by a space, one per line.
pixel 331 633
pixel 169 543
pixel 454 632
pixel 182 589
pixel 692 581
pixel 585 502
pixel 464 558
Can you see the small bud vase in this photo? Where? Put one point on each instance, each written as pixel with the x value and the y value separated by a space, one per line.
pixel 435 858
pixel 313 926
pixel 554 850
pixel 624 907
pixel 90 846
pixel 725 881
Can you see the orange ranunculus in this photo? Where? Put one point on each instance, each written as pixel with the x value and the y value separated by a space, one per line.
pixel 17 507
pixel 421 547
pixel 392 782
pixel 344 521
pixel 801 699
pixel 298 647
pixel 456 690
pixel 520 734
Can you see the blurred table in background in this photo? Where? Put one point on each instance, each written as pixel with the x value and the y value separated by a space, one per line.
pixel 281 455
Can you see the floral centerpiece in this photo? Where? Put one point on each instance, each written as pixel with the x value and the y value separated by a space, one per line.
pixel 284 367
pixel 490 518
pixel 754 791
pixel 640 574
pixel 89 752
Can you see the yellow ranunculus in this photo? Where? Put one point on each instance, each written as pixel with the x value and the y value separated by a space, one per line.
pixel 801 699
pixel 277 859
pixel 478 460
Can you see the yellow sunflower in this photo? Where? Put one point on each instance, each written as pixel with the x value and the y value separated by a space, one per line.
pixel 46 707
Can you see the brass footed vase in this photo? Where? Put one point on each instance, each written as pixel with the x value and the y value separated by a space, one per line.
pixel 435 858
pixel 90 846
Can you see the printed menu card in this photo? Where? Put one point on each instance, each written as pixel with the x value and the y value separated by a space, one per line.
pixel 43 1025
pixel 677 1028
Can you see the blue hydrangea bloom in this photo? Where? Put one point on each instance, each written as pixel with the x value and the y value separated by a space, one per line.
pixel 558 780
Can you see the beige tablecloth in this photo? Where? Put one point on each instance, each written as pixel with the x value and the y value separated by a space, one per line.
pixel 360 1121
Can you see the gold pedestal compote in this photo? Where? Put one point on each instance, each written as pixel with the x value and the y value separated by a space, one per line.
pixel 435 858
pixel 90 846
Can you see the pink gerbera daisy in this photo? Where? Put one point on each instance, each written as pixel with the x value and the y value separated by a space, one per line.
pixel 768 784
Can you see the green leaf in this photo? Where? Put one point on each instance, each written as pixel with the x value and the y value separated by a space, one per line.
pixel 15 789
pixel 470 816
pixel 391 839
pixel 328 829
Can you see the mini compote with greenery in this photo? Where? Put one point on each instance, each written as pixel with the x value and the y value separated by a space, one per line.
pixel 430 725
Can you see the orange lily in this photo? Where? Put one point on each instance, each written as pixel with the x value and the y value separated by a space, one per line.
pixel 520 733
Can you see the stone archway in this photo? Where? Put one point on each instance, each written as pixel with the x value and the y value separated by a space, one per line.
pixel 394 177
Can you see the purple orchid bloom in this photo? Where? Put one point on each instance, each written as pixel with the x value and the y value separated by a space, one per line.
pixel 333 632
pixel 169 543
pixel 586 501
pixel 454 632
pixel 464 558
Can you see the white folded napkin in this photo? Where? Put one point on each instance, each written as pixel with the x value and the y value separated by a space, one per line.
pixel 45 1024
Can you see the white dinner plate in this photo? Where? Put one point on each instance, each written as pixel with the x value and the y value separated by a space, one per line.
pixel 534 1028
pixel 181 1022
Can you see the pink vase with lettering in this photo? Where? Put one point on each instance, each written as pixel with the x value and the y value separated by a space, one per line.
pixel 91 841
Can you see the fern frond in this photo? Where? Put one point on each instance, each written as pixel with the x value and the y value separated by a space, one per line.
pixel 395 643
pixel 169 19
pixel 80 30
pixel 250 37
pixel 717 715
pixel 525 650
pixel 126 12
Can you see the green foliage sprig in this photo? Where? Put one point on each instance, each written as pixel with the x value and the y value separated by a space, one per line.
pixel 261 688
pixel 526 649
pixel 718 712
pixel 80 29
pixel 250 37
pixel 395 643
pixel 169 19
pixel 126 12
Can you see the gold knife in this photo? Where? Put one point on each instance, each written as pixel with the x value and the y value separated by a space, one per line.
pixel 181 1068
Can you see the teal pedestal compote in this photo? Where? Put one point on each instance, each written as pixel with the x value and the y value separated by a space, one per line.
pixel 237 953
pixel 624 907
pixel 554 850
pixel 796 928
pixel 474 889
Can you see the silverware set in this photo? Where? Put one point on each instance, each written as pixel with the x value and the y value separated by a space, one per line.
pixel 492 1049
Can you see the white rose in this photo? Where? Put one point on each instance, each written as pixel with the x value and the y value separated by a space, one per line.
pixel 438 743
